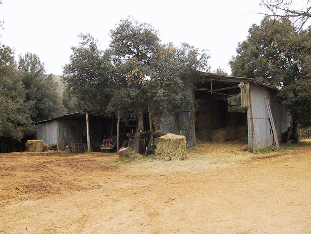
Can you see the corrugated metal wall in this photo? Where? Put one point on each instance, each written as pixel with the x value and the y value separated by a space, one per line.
pixel 71 132
pixel 260 130
pixel 48 132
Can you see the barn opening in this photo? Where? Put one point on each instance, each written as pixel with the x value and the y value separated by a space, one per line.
pixel 218 113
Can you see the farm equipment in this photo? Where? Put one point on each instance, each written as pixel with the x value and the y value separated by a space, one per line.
pixel 108 144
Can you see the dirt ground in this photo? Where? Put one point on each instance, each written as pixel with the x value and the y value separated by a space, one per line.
pixel 218 189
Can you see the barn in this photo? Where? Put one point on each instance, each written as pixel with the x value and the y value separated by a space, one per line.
pixel 264 119
pixel 262 122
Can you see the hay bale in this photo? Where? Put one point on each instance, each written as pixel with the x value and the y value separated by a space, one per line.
pixel 36 146
pixel 219 135
pixel 230 133
pixel 171 147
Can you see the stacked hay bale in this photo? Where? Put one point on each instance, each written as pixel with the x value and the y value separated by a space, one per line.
pixel 36 146
pixel 230 133
pixel 171 147
pixel 219 135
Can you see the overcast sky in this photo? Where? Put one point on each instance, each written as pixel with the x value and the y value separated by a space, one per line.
pixel 50 28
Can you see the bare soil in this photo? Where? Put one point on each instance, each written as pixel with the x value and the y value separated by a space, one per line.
pixel 220 188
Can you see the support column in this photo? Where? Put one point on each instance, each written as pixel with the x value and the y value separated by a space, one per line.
pixel 118 132
pixel 88 132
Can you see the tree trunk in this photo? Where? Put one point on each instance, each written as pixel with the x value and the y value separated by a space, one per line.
pixel 151 130
pixel 139 130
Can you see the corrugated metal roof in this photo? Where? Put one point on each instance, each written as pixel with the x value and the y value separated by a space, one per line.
pixel 72 115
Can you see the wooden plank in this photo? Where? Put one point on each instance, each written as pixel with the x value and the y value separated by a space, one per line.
pixel 272 123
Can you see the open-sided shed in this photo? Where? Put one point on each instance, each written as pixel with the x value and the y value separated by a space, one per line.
pixel 265 118
pixel 264 121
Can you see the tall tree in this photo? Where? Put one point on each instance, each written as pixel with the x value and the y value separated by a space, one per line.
pixel 14 116
pixel 87 75
pixel 279 55
pixel 133 45
pixel 42 92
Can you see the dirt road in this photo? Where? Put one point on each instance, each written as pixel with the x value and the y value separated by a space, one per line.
pixel 219 190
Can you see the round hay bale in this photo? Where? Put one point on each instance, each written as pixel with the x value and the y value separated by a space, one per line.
pixel 171 147
pixel 219 135
pixel 36 146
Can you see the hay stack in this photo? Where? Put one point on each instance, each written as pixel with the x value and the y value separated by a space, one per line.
pixel 171 147
pixel 230 133
pixel 36 146
pixel 219 135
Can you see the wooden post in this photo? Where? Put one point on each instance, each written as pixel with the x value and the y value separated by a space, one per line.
pixel 118 132
pixel 88 132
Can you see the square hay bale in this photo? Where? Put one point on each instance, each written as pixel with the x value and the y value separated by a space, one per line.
pixel 171 147
pixel 36 146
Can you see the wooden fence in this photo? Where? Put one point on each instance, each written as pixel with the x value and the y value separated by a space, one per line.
pixel 305 133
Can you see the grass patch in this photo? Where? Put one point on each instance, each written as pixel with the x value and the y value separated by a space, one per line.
pixel 130 158
pixel 302 143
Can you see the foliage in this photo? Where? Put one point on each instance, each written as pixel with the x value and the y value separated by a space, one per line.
pixel 297 98
pixel 42 93
pixel 86 76
pixel 135 75
pixel 26 94
pixel 274 52
pixel 234 104
pixel 14 115
pixel 132 39
pixel 277 54
pixel 174 71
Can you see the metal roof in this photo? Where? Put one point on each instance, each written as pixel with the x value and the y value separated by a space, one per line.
pixel 224 86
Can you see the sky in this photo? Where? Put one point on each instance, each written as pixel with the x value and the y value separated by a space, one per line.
pixel 50 28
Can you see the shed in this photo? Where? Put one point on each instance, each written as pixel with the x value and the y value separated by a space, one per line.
pixel 264 129
pixel 71 129
pixel 265 120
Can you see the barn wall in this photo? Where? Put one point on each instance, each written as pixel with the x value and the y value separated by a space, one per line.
pixel 260 130
pixel 71 132
pixel 48 132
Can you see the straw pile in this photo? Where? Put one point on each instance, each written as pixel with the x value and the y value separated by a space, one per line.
pixel 230 133
pixel 171 147
pixel 36 146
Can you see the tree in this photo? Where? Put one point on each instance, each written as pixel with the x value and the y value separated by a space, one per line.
pixel 42 92
pixel 132 39
pixel 132 46
pixel 284 9
pixel 87 75
pixel 274 52
pixel 14 115
pixel 174 71
pixel 279 55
